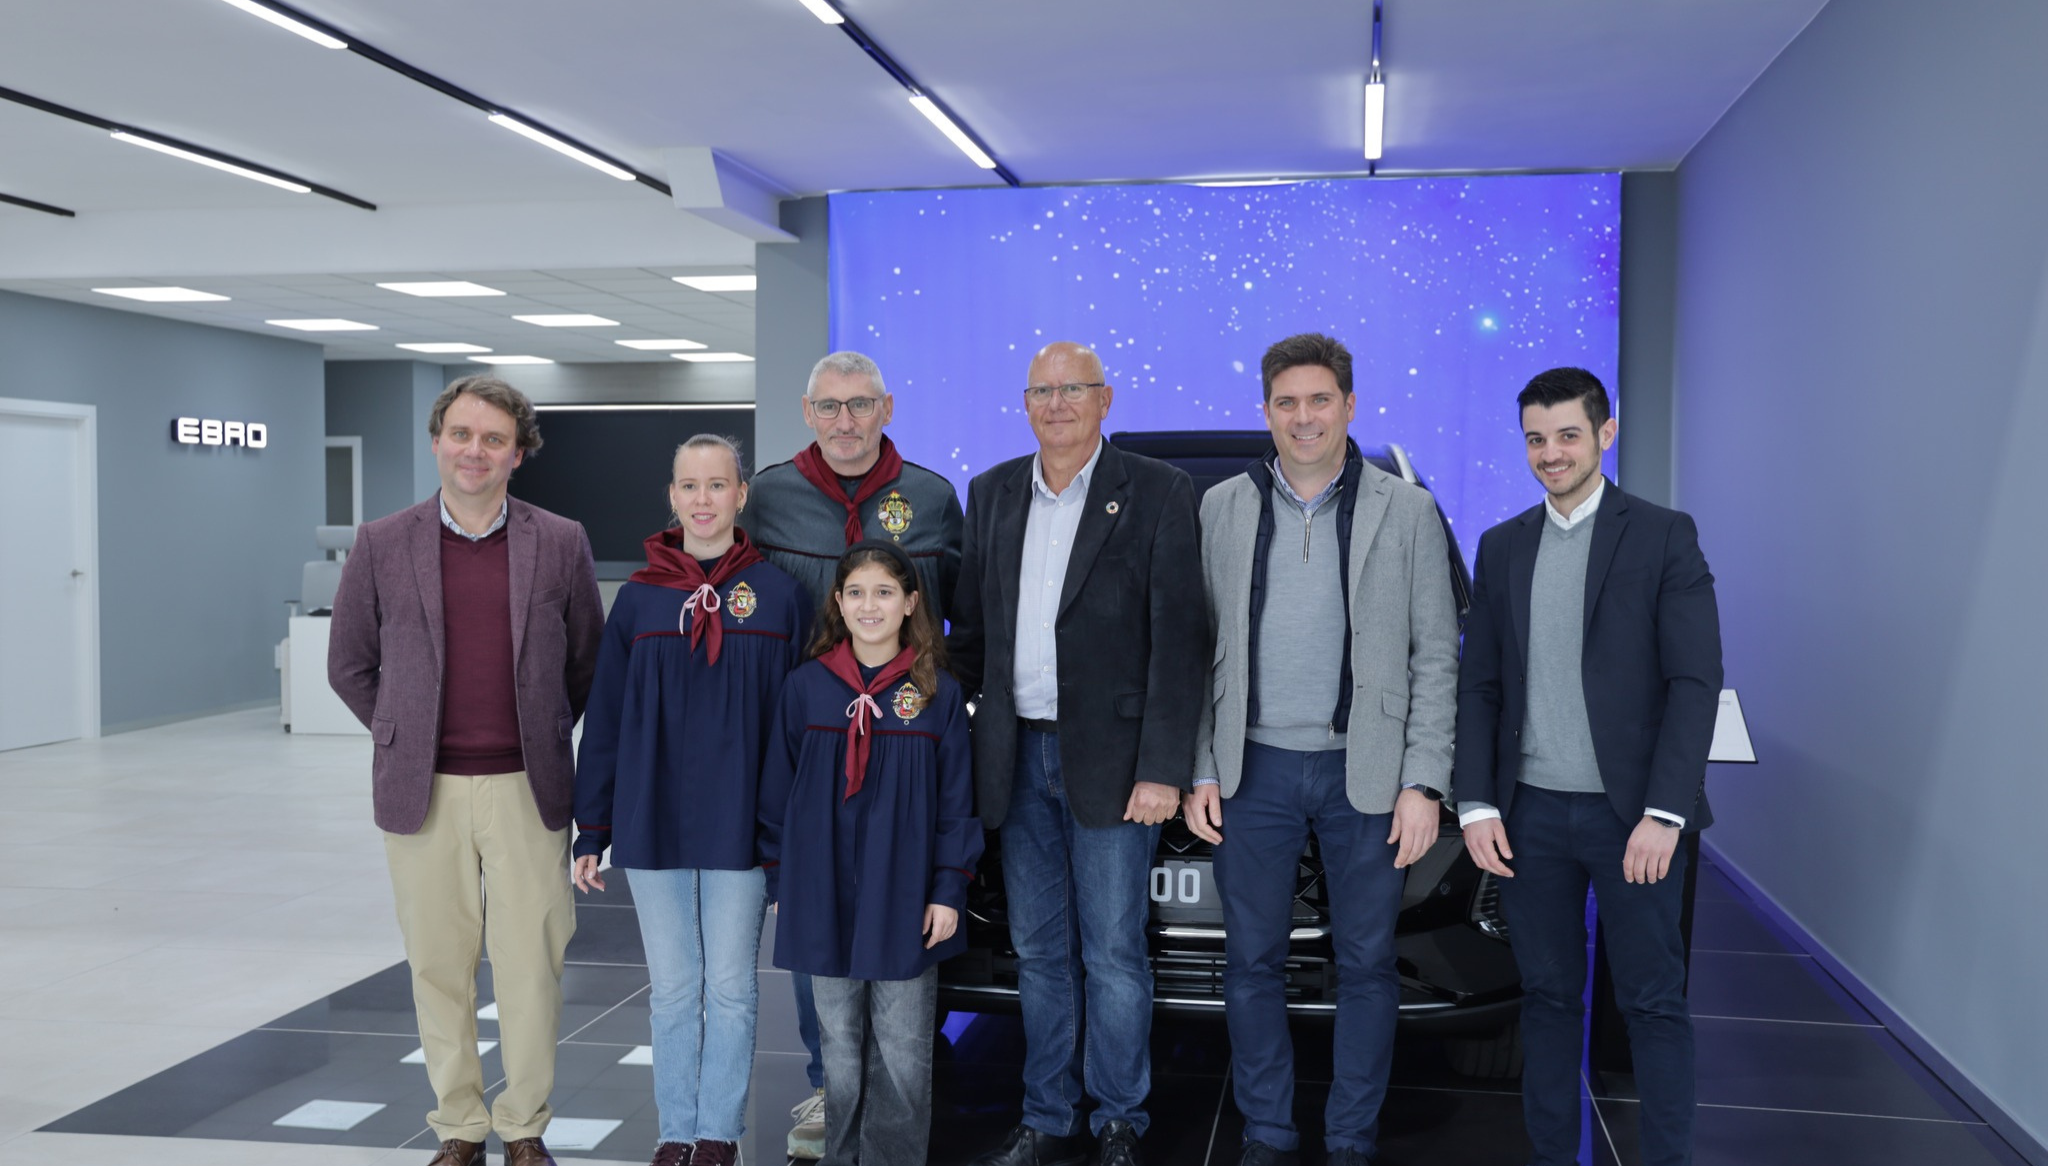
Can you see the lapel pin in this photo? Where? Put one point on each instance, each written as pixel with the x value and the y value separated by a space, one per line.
pixel 1111 508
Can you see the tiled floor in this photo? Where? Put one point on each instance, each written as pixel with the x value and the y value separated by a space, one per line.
pixel 199 944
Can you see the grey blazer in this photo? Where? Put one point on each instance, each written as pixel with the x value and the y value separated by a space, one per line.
pixel 1404 639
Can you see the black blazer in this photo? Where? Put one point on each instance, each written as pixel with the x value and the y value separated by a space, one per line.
pixel 1651 666
pixel 1132 633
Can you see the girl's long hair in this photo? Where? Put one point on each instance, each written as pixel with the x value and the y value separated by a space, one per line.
pixel 920 629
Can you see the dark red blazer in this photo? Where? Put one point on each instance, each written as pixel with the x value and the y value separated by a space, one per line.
pixel 384 652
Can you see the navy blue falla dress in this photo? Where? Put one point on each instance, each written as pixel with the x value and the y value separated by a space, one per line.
pixel 853 871
pixel 669 770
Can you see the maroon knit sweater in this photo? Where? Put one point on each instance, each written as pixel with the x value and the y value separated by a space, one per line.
pixel 479 708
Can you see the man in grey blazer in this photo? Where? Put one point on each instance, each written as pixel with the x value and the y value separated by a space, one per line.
pixel 465 637
pixel 1333 697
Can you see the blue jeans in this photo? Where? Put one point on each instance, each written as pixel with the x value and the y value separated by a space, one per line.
pixel 807 1026
pixel 1078 907
pixel 702 932
pixel 1563 842
pixel 1266 823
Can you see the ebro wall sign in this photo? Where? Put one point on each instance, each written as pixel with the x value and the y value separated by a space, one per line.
pixel 201 431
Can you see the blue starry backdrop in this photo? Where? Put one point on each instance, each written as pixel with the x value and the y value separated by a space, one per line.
pixel 1450 292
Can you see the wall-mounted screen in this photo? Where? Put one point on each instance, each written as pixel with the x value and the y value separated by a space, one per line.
pixel 607 467
pixel 1450 292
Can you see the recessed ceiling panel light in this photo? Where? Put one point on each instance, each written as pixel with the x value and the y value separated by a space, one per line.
pixel 203 160
pixel 822 9
pixel 444 347
pixel 324 325
pixel 559 146
pixel 513 360
pixel 659 345
pixel 161 295
pixel 717 283
pixel 289 25
pixel 711 357
pixel 569 320
pixel 954 134
pixel 453 287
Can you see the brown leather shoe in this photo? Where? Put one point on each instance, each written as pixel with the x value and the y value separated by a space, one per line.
pixel 527 1152
pixel 456 1152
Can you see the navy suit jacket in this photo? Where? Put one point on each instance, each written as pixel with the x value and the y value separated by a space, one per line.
pixel 1651 666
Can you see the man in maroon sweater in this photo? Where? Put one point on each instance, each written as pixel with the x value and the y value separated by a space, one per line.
pixel 465 636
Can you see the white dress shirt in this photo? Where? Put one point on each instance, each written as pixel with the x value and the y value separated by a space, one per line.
pixel 1471 812
pixel 448 520
pixel 1049 528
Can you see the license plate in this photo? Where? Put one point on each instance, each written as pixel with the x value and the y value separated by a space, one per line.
pixel 1187 885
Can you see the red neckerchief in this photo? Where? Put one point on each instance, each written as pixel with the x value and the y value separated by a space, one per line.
pixel 669 565
pixel 840 662
pixel 887 468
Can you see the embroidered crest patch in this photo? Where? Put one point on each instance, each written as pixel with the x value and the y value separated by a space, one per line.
pixel 907 702
pixel 741 601
pixel 895 514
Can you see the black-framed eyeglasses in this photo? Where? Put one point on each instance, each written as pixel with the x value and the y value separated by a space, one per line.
pixel 1040 394
pixel 828 408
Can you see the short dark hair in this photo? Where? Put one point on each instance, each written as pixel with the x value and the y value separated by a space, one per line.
pixel 496 393
pixel 1558 385
pixel 1307 348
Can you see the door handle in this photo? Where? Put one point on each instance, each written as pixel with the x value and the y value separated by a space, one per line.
pixel 77 574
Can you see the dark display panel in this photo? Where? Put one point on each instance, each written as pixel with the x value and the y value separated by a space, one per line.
pixel 608 468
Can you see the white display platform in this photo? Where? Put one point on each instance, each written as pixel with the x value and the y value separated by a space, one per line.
pixel 1731 732
pixel 310 706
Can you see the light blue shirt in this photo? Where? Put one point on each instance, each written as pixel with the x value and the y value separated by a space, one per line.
pixel 448 520
pixel 1049 529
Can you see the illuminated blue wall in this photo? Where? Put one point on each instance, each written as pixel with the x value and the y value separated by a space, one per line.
pixel 1451 293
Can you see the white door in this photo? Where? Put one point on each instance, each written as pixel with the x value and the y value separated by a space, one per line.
pixel 48 596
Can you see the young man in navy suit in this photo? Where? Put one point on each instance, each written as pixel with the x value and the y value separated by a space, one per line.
pixel 1586 701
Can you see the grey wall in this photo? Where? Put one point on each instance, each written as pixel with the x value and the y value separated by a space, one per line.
pixel 199 546
pixel 1862 398
pixel 792 328
pixel 1649 295
pixel 376 401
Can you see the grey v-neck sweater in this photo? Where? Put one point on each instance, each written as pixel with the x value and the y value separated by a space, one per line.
pixel 1557 737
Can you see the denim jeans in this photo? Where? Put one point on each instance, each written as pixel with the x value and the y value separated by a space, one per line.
pixel 1283 795
pixel 1079 902
pixel 1563 841
pixel 807 1026
pixel 878 1068
pixel 702 932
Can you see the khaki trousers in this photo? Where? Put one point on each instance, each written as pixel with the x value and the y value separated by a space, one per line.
pixel 483 870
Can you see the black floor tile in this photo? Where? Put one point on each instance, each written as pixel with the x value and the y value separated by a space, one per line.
pixel 1819 1067
pixel 607 935
pixel 1732 925
pixel 1418 1127
pixel 1754 1137
pixel 1769 987
pixel 973 1106
pixel 238 1088
pixel 380 1003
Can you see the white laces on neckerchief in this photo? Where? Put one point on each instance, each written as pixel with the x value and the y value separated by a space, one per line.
pixel 704 598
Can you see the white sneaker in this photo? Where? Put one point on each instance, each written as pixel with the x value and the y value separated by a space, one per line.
pixel 807 1136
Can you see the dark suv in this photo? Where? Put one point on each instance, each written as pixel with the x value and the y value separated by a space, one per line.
pixel 1458 976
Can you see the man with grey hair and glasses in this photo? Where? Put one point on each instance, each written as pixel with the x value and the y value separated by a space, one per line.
pixel 848 485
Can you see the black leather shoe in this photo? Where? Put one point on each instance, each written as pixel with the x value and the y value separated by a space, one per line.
pixel 1261 1154
pixel 1025 1146
pixel 1119 1145
pixel 1349 1157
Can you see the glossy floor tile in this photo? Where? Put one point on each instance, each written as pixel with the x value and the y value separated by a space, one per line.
pixel 160 1005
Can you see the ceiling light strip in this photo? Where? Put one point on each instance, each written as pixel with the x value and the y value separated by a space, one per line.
pixel 928 103
pixel 1375 100
pixel 164 143
pixel 450 89
pixel 291 24
pixel 32 204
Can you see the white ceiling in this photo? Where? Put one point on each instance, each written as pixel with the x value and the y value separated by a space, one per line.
pixel 1061 90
